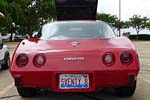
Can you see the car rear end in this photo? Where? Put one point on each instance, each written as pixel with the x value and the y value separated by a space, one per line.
pixel 75 56
pixel 76 69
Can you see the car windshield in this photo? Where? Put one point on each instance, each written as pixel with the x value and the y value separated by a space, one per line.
pixel 76 30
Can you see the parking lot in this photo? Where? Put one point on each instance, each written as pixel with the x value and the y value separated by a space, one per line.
pixel 8 90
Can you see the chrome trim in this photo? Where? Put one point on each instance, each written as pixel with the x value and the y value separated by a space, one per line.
pixel 74 59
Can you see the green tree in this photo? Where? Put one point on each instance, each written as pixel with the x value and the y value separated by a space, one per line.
pixel 110 19
pixel 7 20
pixel 148 25
pixel 26 16
pixel 121 24
pixel 139 23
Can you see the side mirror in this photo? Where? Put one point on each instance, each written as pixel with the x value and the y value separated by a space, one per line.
pixel 37 34
pixel 34 35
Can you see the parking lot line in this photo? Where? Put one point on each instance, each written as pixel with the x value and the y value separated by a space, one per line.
pixel 6 89
pixel 144 79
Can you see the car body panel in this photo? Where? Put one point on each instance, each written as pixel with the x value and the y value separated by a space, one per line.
pixel 3 51
pixel 91 49
pixel 85 44
pixel 98 79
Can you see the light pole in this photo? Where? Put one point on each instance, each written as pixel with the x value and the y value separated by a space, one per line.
pixel 119 17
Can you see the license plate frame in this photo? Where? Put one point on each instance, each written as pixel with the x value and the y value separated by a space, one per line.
pixel 74 81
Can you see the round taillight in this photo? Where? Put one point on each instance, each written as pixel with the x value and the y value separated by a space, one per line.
pixel 39 60
pixel 126 58
pixel 22 60
pixel 108 59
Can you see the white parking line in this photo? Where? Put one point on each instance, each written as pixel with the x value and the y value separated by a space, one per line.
pixel 6 89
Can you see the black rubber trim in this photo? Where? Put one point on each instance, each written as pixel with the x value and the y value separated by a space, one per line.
pixel 132 80
pixel 18 81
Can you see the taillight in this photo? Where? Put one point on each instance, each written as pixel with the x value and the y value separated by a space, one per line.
pixel 39 60
pixel 126 58
pixel 22 60
pixel 108 59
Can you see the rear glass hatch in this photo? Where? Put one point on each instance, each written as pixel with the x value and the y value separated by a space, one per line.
pixel 76 9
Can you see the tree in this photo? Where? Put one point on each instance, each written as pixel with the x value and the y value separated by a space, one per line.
pixel 139 23
pixel 121 24
pixel 7 20
pixel 26 16
pixel 148 25
pixel 110 19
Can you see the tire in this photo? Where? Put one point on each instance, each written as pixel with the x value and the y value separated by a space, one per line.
pixel 7 62
pixel 26 91
pixel 126 91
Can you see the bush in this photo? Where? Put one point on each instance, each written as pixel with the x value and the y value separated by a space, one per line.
pixel 141 37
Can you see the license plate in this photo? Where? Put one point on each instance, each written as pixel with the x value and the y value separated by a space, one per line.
pixel 73 81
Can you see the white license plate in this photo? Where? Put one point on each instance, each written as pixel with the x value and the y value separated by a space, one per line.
pixel 73 81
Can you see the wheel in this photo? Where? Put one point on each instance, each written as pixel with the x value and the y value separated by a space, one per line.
pixel 26 91
pixel 126 91
pixel 7 62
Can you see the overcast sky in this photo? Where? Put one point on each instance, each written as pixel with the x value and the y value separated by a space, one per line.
pixel 129 7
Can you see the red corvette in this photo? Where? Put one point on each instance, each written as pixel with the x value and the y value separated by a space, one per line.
pixel 75 56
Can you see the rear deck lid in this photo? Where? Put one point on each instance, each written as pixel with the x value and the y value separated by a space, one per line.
pixel 76 9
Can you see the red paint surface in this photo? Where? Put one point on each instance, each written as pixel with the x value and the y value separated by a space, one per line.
pixel 47 76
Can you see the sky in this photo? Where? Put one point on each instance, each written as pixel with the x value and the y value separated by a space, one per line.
pixel 128 8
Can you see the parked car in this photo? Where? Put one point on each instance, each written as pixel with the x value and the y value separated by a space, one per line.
pixel 75 56
pixel 18 38
pixel 4 55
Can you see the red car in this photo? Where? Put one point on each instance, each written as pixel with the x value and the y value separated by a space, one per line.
pixel 75 56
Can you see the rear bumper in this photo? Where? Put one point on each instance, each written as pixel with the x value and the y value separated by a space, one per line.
pixel 98 79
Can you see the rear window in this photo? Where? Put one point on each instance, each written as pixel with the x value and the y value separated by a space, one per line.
pixel 76 30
